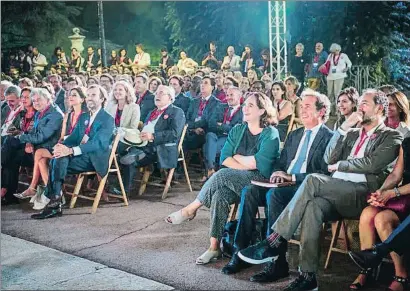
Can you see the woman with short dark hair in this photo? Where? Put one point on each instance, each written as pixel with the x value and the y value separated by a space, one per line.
pixel 249 154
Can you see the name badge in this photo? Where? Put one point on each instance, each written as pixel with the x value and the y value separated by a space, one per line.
pixel 334 71
pixel 85 139
pixel 315 65
pixel 197 119
pixel 228 122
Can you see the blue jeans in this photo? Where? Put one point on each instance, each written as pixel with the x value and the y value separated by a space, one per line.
pixel 213 146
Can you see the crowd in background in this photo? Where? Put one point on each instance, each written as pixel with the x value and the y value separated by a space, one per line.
pixel 60 115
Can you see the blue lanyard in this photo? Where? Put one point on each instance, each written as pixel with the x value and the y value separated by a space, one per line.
pixel 36 119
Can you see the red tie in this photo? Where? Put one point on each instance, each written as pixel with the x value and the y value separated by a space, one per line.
pixel 155 114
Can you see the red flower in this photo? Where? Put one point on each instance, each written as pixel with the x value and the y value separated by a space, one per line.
pixel 373 136
pixel 166 116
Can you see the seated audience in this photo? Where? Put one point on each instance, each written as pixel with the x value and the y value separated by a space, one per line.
pixel 346 105
pixel 258 86
pixel 145 99
pixel 92 81
pixel 219 86
pixel 302 155
pixel 186 64
pixel 55 80
pixel 359 159
pixel 283 106
pixel 181 100
pixel 398 113
pixel 231 62
pixel 22 123
pixel 86 149
pixel 244 85
pixel 252 76
pixel 25 82
pixel 122 107
pixel 3 87
pixel 388 206
pixel 249 154
pixel 160 134
pixel 224 119
pixel 44 134
pixel 107 81
pixel 199 115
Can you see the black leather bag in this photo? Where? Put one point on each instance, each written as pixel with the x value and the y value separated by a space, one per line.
pixel 258 234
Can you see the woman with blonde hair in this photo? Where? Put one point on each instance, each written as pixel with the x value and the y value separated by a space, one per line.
pixel 249 153
pixel 122 107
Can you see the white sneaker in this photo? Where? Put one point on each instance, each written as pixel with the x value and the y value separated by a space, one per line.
pixel 39 204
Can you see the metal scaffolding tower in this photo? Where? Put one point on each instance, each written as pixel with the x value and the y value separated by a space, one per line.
pixel 277 39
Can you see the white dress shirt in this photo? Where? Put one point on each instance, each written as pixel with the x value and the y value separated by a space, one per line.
pixel 314 130
pixel 150 126
pixel 142 60
pixel 354 177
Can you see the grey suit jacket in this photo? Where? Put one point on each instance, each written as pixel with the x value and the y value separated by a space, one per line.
pixel 130 116
pixel 379 153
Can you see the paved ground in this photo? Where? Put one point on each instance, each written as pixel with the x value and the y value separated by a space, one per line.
pixel 136 240
pixel 26 265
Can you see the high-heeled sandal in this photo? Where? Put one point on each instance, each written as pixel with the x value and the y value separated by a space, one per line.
pixel 358 286
pixel 178 218
pixel 206 257
pixel 403 281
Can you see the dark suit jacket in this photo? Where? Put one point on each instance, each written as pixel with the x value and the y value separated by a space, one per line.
pixel 4 112
pixel 60 99
pixel 206 115
pixel 168 130
pixel 182 102
pixel 379 153
pixel 98 145
pixel 94 60
pixel 315 160
pixel 218 117
pixel 147 104
pixel 48 131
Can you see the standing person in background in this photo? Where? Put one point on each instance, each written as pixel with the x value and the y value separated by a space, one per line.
pixel 247 59
pixel 142 59
pixel 186 64
pixel 339 65
pixel 318 59
pixel 39 61
pixel 298 65
pixel 210 59
pixel 165 62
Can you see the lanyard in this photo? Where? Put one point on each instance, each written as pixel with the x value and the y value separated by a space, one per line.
pixel 334 61
pixel 118 114
pixel 72 123
pixel 10 117
pixel 363 138
pixel 26 123
pixel 155 114
pixel 202 106
pixel 227 119
pixel 141 97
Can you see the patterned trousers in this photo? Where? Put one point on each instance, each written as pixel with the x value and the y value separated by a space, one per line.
pixel 220 191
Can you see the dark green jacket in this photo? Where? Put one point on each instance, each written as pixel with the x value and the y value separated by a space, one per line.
pixel 267 149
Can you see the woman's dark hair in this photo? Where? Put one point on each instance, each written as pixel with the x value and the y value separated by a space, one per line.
pixel 281 85
pixel 270 116
pixel 402 104
pixel 123 49
pixel 233 80
pixel 56 49
pixel 178 78
pixel 81 91
pixel 352 94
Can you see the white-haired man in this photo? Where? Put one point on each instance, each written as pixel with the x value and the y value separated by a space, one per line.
pixel 231 62
pixel 3 87
pixel 162 130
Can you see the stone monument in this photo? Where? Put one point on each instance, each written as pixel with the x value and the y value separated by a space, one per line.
pixel 77 40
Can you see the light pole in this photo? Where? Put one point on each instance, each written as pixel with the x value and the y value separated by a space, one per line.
pixel 102 33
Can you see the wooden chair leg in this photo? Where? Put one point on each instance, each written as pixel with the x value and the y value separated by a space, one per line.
pixel 346 236
pixel 99 193
pixel 333 242
pixel 144 181
pixel 186 173
pixel 76 190
pixel 234 210
pixel 124 195
pixel 168 183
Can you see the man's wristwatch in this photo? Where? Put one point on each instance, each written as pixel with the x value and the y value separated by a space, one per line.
pixel 397 192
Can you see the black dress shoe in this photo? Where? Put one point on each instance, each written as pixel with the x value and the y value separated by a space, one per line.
pixel 303 283
pixel 9 201
pixel 272 272
pixel 235 265
pixel 49 212
pixel 261 253
pixel 367 259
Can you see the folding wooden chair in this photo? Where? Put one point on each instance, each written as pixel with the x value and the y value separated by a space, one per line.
pixel 333 244
pixel 181 158
pixel 233 212
pixel 103 180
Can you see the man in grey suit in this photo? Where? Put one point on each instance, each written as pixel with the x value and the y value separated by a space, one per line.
pixel 359 159
pixel 302 155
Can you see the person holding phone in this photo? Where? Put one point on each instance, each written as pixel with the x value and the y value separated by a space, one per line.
pixel 302 154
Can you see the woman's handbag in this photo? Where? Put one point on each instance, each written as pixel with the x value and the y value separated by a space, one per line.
pixel 325 68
